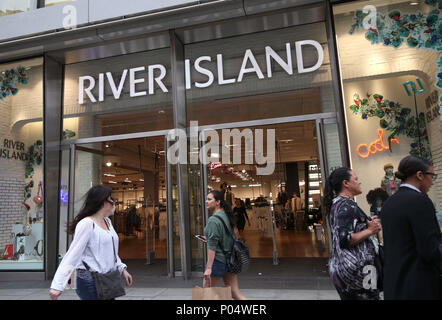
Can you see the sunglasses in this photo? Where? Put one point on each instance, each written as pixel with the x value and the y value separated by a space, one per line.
pixel 433 175
pixel 112 201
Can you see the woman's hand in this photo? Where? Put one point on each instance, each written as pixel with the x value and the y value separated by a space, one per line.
pixel 374 225
pixel 54 294
pixel 128 278
pixel 207 273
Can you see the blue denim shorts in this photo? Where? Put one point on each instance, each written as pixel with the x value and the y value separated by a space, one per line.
pixel 219 269
pixel 86 289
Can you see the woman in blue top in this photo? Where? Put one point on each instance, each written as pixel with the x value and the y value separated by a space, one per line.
pixel 218 243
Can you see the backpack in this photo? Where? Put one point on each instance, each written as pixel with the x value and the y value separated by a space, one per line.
pixel 239 258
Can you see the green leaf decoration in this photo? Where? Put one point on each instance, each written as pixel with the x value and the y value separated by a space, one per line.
pixel 395 119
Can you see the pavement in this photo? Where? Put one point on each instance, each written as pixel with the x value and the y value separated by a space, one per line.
pixel 292 279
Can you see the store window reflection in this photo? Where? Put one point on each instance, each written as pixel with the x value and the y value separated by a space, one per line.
pixel 21 165
pixel 48 3
pixel 8 7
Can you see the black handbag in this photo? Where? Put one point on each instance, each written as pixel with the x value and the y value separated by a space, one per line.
pixel 379 264
pixel 238 259
pixel 109 285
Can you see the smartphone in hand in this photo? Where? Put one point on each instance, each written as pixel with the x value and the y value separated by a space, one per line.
pixel 201 238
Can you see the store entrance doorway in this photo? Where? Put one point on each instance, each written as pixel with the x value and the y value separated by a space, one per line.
pixel 135 171
pixel 279 214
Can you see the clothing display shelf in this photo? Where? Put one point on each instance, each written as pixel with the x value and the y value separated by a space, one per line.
pixel 314 182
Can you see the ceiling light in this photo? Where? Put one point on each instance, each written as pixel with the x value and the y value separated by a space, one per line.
pixel 107 146
pixel 111 182
pixel 108 163
pixel 161 112
pixel 142 180
pixel 255 185
pixel 109 175
pixel 414 3
pixel 243 170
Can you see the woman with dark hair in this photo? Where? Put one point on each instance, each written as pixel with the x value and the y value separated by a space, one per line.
pixel 411 235
pixel 95 244
pixel 376 199
pixel 219 241
pixel 352 247
pixel 240 214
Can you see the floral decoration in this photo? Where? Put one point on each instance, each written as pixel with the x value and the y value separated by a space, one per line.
pixel 35 157
pixel 9 79
pixel 417 30
pixel 396 119
pixel 67 134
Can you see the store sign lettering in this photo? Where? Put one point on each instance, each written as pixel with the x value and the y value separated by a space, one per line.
pixel 366 150
pixel 13 150
pixel 154 74
pixel 433 111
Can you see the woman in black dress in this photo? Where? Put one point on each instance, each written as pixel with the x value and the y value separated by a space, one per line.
pixel 240 216
pixel 411 235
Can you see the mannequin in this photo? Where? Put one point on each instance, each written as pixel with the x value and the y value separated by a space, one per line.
pixel 302 194
pixel 376 199
pixel 229 196
pixel 390 183
pixel 282 196
pixel 296 202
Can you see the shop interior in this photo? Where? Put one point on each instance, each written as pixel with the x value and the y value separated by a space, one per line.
pixel 135 170
pixel 292 193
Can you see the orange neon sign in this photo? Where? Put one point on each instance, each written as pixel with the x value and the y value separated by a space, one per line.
pixel 364 150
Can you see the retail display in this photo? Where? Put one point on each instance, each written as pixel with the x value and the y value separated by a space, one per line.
pixel 37 199
pixel 25 218
pixel 9 79
pixel 390 183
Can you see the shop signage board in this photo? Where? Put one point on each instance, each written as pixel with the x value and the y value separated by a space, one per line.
pixel 15 150
pixel 155 73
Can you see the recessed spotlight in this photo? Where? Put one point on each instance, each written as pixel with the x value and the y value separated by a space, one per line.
pixel 108 163
pixel 414 3
pixel 161 112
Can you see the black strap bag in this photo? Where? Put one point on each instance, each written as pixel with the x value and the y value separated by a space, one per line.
pixel 109 285
pixel 238 259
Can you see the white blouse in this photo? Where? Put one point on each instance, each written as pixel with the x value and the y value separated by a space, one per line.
pixel 93 245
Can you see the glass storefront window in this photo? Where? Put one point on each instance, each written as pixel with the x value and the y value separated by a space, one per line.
pixel 390 66
pixel 21 165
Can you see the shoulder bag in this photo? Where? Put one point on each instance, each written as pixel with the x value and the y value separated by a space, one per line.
pixel 109 285
pixel 238 259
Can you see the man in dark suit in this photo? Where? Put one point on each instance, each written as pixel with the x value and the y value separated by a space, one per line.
pixel 412 236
